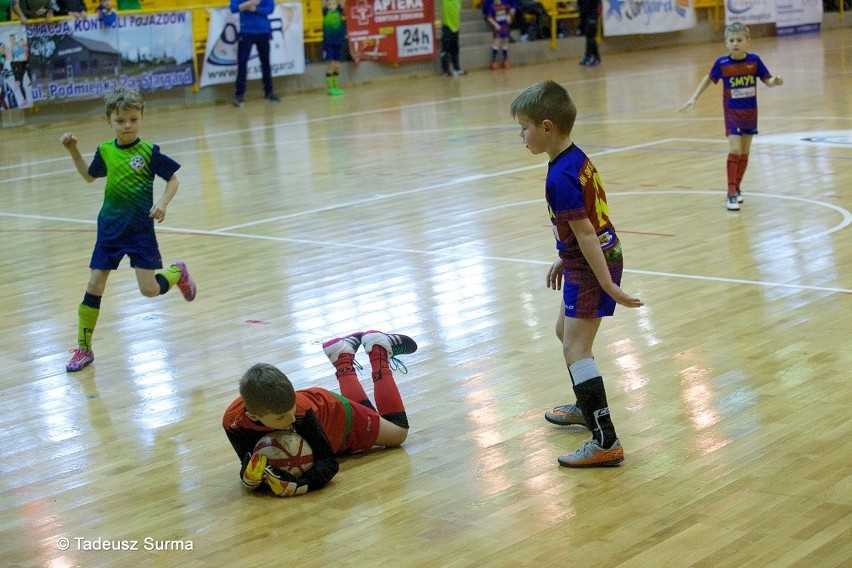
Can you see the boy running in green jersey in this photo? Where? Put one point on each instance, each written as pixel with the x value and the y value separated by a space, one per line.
pixel 126 219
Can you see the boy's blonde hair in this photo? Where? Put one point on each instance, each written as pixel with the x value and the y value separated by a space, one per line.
pixel 123 98
pixel 736 28
pixel 547 100
pixel 266 390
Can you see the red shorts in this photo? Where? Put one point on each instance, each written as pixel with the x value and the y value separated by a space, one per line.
pixel 365 428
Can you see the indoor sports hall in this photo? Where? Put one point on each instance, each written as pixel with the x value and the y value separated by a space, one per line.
pixel 412 206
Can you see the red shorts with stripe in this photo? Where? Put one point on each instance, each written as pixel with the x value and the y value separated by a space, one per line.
pixel 364 430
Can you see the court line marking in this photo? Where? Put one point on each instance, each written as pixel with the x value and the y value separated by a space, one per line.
pixel 228 231
pixel 448 254
pixel 846 216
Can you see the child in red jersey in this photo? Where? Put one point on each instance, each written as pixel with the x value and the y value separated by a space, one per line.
pixel 739 71
pixel 332 424
pixel 588 268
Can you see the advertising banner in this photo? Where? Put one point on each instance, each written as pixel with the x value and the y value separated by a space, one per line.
pixel 391 31
pixel 84 58
pixel 798 16
pixel 286 50
pixel 630 17
pixel 15 81
pixel 749 11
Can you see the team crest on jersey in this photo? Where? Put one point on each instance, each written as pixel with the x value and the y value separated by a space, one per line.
pixel 137 162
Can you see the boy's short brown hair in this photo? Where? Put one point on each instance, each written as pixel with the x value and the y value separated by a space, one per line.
pixel 123 98
pixel 547 100
pixel 736 28
pixel 266 390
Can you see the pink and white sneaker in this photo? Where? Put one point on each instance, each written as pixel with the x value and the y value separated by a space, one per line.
pixel 80 358
pixel 186 283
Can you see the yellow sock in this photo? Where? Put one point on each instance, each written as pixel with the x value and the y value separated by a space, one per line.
pixel 171 274
pixel 87 317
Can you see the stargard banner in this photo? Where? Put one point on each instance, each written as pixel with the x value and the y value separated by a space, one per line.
pixel 391 31
pixel 630 17
pixel 85 58
pixel 749 11
pixel 286 50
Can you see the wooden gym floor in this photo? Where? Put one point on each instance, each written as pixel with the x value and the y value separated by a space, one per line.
pixel 414 207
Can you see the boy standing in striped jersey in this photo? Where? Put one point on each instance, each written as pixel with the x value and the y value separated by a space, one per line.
pixel 126 219
pixel 739 71
pixel 588 267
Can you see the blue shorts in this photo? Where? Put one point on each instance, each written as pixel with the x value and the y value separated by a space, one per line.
pixel 502 33
pixel 109 257
pixel 332 52
pixel 583 295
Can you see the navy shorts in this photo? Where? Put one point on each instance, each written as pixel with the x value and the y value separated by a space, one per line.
pixel 332 52
pixel 109 257
pixel 583 296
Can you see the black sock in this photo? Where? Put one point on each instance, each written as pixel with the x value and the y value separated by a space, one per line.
pixel 591 398
pixel 164 284
pixel 398 418
pixel 92 301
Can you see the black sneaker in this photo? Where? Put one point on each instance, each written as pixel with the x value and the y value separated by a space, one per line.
pixel 272 97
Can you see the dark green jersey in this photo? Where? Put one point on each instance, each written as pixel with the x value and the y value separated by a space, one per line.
pixel 333 26
pixel 129 193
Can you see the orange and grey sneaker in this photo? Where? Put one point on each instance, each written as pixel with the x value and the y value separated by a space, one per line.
pixel 79 358
pixel 186 283
pixel 565 415
pixel 591 454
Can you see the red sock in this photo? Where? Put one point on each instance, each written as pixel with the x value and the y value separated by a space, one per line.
pixel 388 400
pixel 733 168
pixel 742 168
pixel 350 386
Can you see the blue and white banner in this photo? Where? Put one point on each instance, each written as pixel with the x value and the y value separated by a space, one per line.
pixel 750 11
pixel 798 16
pixel 86 58
pixel 15 81
pixel 630 17
pixel 286 50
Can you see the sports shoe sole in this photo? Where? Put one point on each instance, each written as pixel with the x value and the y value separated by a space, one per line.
pixel 615 461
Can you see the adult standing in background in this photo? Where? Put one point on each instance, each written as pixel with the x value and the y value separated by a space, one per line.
pixel 255 30
pixel 450 21
pixel 589 14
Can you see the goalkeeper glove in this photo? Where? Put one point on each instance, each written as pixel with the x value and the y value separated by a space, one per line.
pixel 252 470
pixel 282 483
